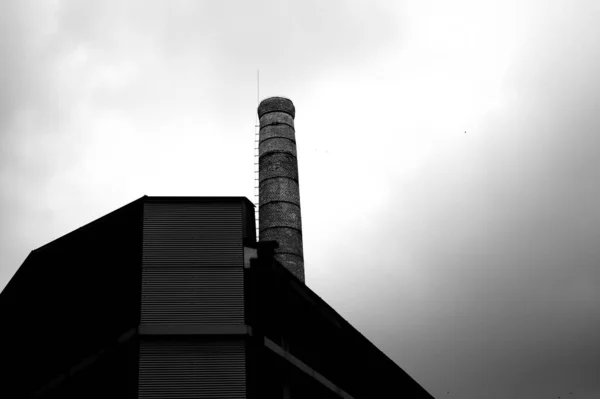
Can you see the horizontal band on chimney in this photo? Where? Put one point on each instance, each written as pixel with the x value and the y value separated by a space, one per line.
pixel 276 104
pixel 277 137
pixel 276 124
pixel 290 254
pixel 277 230
pixel 288 202
pixel 277 144
pixel 278 189
pixel 278 118
pixel 280 213
pixel 278 177
pixel 279 164
pixel 280 226
pixel 277 131
pixel 280 151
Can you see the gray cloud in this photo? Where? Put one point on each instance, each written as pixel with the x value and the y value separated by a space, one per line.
pixel 70 68
pixel 179 47
pixel 478 273
pixel 508 238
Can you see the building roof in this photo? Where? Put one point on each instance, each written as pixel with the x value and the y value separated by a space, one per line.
pixel 150 199
pixel 106 286
pixel 358 352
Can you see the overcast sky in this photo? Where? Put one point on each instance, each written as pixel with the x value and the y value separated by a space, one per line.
pixel 448 154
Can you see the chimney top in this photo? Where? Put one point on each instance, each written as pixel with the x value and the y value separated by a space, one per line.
pixel 276 104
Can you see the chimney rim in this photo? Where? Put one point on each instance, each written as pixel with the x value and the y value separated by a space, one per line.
pixel 276 104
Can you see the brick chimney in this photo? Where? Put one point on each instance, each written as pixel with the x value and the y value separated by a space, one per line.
pixel 279 193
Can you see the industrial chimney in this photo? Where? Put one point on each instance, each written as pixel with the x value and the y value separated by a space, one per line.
pixel 279 194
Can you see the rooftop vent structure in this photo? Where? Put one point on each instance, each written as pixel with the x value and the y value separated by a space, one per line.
pixel 279 193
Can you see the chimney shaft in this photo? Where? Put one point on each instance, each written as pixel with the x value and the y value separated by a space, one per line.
pixel 279 193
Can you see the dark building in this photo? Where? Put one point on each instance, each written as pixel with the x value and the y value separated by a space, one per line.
pixel 173 297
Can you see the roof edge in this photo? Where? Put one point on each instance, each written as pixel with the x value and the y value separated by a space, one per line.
pixel 146 199
pixel 197 199
pixel 90 224
pixel 338 319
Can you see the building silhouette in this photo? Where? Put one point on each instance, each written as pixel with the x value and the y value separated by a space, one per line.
pixel 173 297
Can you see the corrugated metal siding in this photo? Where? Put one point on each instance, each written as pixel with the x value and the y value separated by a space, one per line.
pixel 183 295
pixel 193 234
pixel 187 369
pixel 193 263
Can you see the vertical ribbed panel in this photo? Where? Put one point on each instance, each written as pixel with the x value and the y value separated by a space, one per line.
pixel 185 295
pixel 193 234
pixel 188 369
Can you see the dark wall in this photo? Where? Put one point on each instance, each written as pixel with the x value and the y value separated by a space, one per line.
pixel 192 367
pixel 113 375
pixel 289 314
pixel 275 375
pixel 193 263
pixel 69 298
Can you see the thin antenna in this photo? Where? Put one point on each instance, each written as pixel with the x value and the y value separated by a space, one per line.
pixel 256 144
